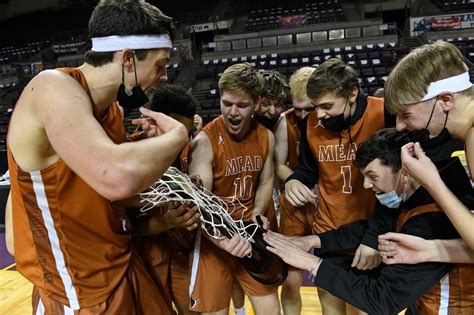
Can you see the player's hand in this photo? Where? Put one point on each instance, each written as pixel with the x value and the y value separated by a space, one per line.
pixel 366 258
pixel 182 215
pixel 397 248
pixel 236 246
pixel 305 243
pixel 298 194
pixel 261 220
pixel 289 252
pixel 155 123
pixel 418 165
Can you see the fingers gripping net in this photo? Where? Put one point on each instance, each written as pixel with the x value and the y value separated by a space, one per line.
pixel 216 212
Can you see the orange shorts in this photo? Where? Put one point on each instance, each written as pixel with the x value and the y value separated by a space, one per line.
pixel 136 294
pixel 212 273
pixel 297 221
pixel 180 277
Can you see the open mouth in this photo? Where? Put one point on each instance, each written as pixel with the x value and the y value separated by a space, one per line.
pixel 235 122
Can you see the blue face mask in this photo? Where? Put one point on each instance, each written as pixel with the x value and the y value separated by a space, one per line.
pixel 392 199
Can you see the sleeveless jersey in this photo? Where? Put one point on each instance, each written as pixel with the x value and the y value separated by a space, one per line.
pixel 342 197
pixel 237 164
pixel 293 138
pixel 69 240
pixel 454 293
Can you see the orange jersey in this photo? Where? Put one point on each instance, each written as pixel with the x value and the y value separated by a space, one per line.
pixel 237 164
pixel 69 240
pixel 293 138
pixel 454 293
pixel 342 197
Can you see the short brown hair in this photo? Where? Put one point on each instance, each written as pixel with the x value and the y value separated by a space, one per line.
pixel 125 17
pixel 242 77
pixel 334 76
pixel 409 80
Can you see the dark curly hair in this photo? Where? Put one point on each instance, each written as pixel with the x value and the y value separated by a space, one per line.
pixel 385 145
pixel 174 99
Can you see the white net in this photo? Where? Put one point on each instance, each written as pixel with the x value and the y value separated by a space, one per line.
pixel 216 212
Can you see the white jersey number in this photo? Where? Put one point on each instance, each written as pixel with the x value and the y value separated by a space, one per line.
pixel 346 178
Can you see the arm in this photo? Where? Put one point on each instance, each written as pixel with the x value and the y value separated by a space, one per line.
pixel 62 114
pixel 9 226
pixel 396 287
pixel 263 195
pixel 281 150
pixel 200 164
pixel 398 248
pixel 297 190
pixel 419 166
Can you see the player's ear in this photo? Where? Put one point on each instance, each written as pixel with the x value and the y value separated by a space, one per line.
pixel 447 101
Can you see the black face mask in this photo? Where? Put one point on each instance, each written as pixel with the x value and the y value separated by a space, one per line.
pixel 268 123
pixel 337 123
pixel 423 136
pixel 299 122
pixel 135 98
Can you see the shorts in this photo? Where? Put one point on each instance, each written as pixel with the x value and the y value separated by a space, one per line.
pixel 212 273
pixel 136 294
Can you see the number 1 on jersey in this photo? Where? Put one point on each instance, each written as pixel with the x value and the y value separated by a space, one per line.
pixel 346 178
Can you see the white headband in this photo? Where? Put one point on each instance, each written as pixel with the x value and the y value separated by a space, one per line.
pixel 116 43
pixel 458 83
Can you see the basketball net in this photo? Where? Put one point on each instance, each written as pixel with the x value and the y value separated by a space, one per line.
pixel 216 212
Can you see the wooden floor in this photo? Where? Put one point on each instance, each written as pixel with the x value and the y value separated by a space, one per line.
pixel 15 296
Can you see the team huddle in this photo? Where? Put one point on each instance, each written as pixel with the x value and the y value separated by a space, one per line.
pixel 360 191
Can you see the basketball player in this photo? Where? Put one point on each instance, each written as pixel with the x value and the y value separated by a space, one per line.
pixel 166 255
pixel 438 100
pixel 274 96
pixel 440 288
pixel 68 161
pixel 267 112
pixel 233 155
pixel 293 220
pixel 344 117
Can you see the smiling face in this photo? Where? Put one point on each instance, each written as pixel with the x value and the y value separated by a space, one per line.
pixel 381 178
pixel 330 105
pixel 270 107
pixel 416 117
pixel 237 109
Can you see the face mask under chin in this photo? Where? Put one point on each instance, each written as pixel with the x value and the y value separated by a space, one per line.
pixel 423 136
pixel 268 123
pixel 133 99
pixel 337 123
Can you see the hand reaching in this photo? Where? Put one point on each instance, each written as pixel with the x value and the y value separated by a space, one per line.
pixel 298 194
pixel 366 258
pixel 418 165
pixel 288 251
pixel 396 248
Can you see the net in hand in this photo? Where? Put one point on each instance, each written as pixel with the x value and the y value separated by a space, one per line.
pixel 216 212
pixel 217 221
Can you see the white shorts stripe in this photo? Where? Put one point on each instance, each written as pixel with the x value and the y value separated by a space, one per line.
pixel 195 265
pixel 40 307
pixel 68 311
pixel 42 200
pixel 444 295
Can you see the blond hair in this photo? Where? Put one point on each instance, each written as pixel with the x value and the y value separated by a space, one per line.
pixel 409 80
pixel 299 80
pixel 241 78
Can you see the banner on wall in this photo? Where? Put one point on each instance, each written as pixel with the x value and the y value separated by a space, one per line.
pixel 446 22
pixel 420 25
pixel 293 20
pixel 204 27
